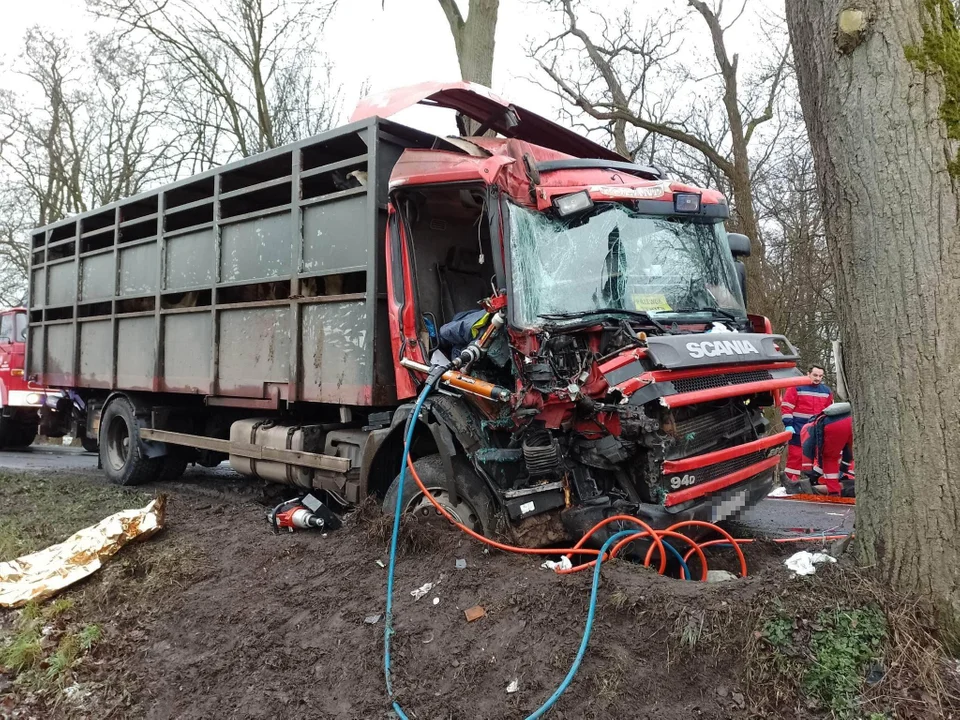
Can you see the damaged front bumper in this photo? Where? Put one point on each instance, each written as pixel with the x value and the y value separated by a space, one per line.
pixel 724 505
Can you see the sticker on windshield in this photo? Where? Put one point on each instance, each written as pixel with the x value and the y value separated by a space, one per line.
pixel 650 301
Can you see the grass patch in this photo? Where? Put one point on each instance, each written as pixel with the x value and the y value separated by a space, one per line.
pixel 843 646
pixel 824 660
pixel 44 645
pixel 40 510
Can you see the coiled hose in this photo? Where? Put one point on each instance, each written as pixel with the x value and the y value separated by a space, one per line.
pixel 613 545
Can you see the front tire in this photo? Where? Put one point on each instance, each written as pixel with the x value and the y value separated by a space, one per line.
pixel 474 507
pixel 120 453
pixel 22 436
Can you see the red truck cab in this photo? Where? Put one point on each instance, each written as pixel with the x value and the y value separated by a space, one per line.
pixel 20 399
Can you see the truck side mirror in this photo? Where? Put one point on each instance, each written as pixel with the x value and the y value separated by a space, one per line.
pixel 742 277
pixel 739 244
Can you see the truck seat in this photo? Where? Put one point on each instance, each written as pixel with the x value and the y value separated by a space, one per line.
pixel 463 282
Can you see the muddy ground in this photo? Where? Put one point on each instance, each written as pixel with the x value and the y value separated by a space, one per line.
pixel 219 617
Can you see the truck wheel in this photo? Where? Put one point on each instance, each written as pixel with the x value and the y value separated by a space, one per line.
pixel 474 507
pixel 120 453
pixel 14 434
pixel 174 465
pixel 24 436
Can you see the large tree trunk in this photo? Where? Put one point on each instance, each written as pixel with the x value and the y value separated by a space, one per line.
pixel 474 38
pixel 891 210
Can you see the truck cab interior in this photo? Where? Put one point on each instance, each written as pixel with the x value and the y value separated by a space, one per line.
pixel 449 244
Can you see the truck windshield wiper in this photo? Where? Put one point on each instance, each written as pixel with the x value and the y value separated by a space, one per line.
pixel 578 314
pixel 715 311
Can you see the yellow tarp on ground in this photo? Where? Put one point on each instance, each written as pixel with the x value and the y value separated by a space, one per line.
pixel 42 574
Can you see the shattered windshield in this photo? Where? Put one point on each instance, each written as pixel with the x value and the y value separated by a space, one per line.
pixel 616 258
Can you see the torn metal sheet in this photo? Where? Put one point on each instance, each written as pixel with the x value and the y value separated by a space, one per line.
pixel 42 574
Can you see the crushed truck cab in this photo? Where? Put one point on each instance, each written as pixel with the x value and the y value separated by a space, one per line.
pixel 638 379
pixel 594 311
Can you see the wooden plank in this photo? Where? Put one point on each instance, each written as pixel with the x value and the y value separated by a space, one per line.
pixel 257 452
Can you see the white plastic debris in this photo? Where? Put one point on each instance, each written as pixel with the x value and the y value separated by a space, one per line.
pixel 564 564
pixel 513 686
pixel 461 564
pixel 436 601
pixel 372 619
pixel 779 491
pixel 421 591
pixel 804 562
pixel 380 563
pixel 715 576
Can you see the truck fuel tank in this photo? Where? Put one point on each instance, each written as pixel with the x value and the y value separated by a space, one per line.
pixel 267 432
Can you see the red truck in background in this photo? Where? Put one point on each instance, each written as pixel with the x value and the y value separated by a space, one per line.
pixel 20 399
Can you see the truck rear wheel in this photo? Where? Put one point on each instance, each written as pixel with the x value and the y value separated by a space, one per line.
pixel 120 453
pixel 474 507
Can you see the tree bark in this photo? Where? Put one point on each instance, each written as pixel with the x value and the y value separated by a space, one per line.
pixel 891 210
pixel 474 38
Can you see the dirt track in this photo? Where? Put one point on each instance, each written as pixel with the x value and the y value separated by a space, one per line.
pixel 219 617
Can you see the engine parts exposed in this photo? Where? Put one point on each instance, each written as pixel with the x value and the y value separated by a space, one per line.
pixel 541 452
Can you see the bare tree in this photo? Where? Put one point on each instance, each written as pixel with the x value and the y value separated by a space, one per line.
pixel 86 130
pixel 797 267
pixel 879 90
pixel 15 217
pixel 629 77
pixel 474 37
pixel 247 70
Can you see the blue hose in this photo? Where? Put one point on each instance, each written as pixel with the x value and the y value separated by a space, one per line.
pixel 388 630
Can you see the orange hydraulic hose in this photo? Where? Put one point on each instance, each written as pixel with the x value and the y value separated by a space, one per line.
pixel 578 548
pixel 745 541
pixel 647 532
pixel 532 551
pixel 630 538
pixel 711 526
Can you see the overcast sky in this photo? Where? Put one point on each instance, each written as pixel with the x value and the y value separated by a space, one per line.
pixel 405 43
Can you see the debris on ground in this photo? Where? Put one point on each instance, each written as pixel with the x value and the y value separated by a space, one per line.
pixel 716 576
pixel 372 619
pixel 563 564
pixel 421 591
pixel 474 613
pixel 805 562
pixel 513 686
pixel 42 574
pixel 461 564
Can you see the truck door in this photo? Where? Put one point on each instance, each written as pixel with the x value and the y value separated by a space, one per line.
pixel 6 341
pixel 6 352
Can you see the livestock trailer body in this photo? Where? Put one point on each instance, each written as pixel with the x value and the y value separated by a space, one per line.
pixel 257 282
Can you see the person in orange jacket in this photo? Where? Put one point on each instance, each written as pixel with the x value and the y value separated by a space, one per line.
pixel 827 446
pixel 799 406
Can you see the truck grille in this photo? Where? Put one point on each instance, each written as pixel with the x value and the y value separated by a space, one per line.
pixel 709 382
pixel 705 431
pixel 712 472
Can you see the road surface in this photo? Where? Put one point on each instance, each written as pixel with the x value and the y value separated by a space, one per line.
pixel 773 518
